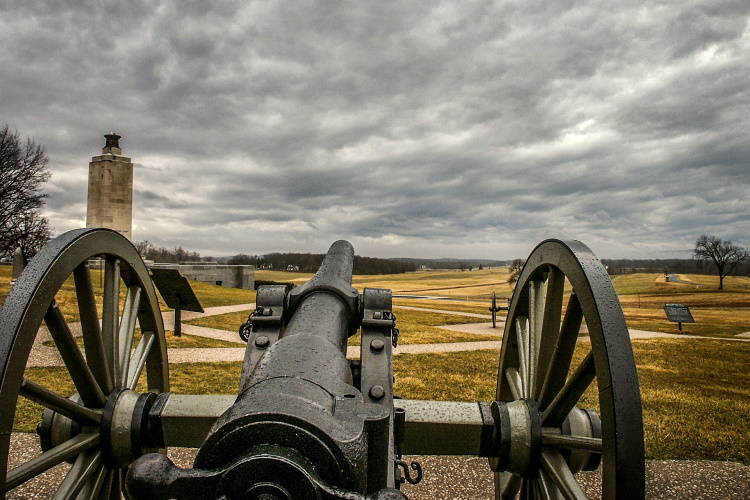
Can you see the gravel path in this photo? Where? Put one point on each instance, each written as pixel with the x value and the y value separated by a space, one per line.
pixel 441 311
pixel 462 478
pixel 42 355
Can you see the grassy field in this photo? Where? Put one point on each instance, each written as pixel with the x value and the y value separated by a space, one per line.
pixel 6 273
pixel 696 395
pixel 717 313
pixel 184 341
pixel 473 306
pixel 417 327
pixel 208 295
pixel 446 283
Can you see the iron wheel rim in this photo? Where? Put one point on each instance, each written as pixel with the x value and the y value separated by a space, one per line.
pixel 550 264
pixel 28 306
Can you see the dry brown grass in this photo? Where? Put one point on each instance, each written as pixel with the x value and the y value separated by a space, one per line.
pixel 696 394
pixel 715 322
pixel 475 307
pixel 6 274
pixel 417 327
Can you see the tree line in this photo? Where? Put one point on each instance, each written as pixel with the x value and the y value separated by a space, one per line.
pixel 309 263
pixel 668 266
pixel 165 255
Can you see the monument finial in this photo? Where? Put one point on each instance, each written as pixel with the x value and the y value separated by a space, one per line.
pixel 113 140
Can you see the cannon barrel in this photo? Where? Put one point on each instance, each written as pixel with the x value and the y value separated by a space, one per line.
pixel 299 427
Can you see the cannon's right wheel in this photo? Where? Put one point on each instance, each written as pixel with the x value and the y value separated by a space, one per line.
pixel 542 382
pixel 91 428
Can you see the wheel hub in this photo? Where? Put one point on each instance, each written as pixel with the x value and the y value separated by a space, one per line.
pixel 124 426
pixel 520 437
pixel 519 433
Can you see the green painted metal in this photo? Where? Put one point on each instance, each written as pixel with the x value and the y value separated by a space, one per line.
pixel 186 419
pixel 536 355
pixel 441 427
pixel 107 364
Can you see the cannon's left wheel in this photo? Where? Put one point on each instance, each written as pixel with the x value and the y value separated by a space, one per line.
pixel 493 308
pixel 542 382
pixel 81 428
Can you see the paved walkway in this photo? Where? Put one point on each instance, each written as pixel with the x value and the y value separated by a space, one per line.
pixel 42 355
pixel 442 311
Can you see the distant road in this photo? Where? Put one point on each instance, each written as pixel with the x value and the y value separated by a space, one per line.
pixel 674 278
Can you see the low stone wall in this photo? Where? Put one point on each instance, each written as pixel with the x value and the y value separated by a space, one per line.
pixel 232 276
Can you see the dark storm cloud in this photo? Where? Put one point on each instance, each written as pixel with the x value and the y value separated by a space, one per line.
pixel 448 129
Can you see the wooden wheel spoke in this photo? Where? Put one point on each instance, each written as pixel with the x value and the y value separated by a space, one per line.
pixel 536 315
pixel 127 330
pixel 50 458
pixel 100 486
pixel 547 488
pixel 116 485
pixel 49 399
pixel 85 466
pixel 110 315
pixel 556 440
pixel 554 464
pixel 92 332
pixel 571 393
pixel 514 382
pixel 550 329
pixel 522 337
pixel 560 363
pixel 84 380
pixel 513 486
pixel 139 358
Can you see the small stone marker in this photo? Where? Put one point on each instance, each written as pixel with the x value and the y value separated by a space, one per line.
pixel 19 263
pixel 678 313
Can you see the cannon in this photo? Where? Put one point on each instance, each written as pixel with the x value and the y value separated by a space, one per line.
pixel 306 422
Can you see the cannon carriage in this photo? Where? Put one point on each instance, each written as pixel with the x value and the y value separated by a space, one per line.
pixel 307 422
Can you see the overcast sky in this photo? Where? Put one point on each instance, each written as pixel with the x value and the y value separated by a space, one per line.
pixel 412 129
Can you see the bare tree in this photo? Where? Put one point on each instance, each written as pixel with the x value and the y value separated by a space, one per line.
pixel 143 247
pixel 30 232
pixel 515 270
pixel 161 254
pixel 724 254
pixel 23 170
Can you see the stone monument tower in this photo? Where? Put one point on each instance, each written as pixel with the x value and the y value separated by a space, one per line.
pixel 110 200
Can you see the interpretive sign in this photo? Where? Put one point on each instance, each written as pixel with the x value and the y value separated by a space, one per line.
pixel 176 291
pixel 678 313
